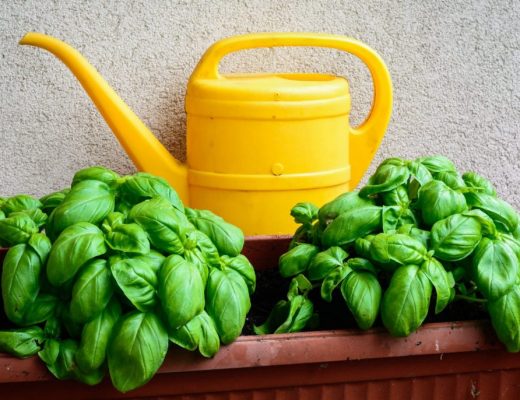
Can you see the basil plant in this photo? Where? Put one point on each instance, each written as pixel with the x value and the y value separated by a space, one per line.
pixel 104 276
pixel 416 238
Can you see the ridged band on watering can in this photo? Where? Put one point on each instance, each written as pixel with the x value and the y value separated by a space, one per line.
pixel 259 143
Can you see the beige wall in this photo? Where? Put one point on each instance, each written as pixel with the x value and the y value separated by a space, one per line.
pixel 455 68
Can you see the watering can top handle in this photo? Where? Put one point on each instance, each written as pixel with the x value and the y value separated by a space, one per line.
pixel 364 139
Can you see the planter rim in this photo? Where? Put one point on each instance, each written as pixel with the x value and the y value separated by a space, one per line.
pixel 303 348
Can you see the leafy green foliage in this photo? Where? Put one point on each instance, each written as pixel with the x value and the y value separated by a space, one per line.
pixel 181 291
pixel 227 303
pixel 24 342
pixel 405 302
pixel 74 247
pixel 417 228
pixel 87 201
pixel 92 291
pixel 20 281
pixel 100 275
pixel 136 350
pixel 228 239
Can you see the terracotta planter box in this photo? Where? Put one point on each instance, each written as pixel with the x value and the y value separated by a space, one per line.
pixel 461 360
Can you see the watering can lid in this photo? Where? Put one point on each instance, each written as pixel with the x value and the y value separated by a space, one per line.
pixel 269 87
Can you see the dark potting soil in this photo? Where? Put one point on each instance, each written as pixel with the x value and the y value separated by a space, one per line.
pixel 271 288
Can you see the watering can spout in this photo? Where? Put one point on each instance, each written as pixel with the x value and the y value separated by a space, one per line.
pixel 143 148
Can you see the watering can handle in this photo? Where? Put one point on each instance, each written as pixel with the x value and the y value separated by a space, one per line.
pixel 365 139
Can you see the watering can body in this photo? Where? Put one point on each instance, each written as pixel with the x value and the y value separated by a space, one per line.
pixel 257 144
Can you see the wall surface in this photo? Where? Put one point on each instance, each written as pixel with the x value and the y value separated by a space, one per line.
pixel 454 64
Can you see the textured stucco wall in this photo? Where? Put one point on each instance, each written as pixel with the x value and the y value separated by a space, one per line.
pixel 454 64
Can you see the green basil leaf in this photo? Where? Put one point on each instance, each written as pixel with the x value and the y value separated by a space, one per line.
pixel 351 225
pixel 92 291
pixel 505 318
pixel 478 182
pixel 299 285
pixel 276 317
pixel 141 186
pixel 17 228
pixel 405 303
pixel 24 342
pixel 300 312
pixel 112 220
pixel 436 164
pixel 95 337
pixel 137 280
pixel 187 336
pixel 227 238
pixel 362 245
pixel 303 234
pixel 88 201
pixel 362 294
pixel 136 350
pixel 74 247
pixel 227 303
pixel 343 203
pixel 164 226
pixel 209 342
pixel 489 228
pixel 505 217
pixel 40 310
pixel 64 367
pixel 128 238
pixel 416 233
pixel 393 217
pixel 419 172
pixel 241 265
pixel 19 202
pixel 455 237
pixel 153 259
pixel 201 333
pixel 452 179
pixel 53 200
pixel 495 267
pixel 438 201
pixel 50 351
pixel 304 213
pixel 361 264
pixel 397 249
pixel 333 280
pixel 441 281
pixel 516 232
pixel 20 281
pixel 297 260
pixel 90 378
pixel 38 216
pixel 512 242
pixel 41 245
pixel 123 207
pixel 52 327
pixel 387 177
pixel 201 244
pixel 195 257
pixel 396 197
pixel 181 291
pixel 324 262
pixel 95 173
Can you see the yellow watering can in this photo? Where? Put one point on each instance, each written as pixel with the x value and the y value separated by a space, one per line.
pixel 256 143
